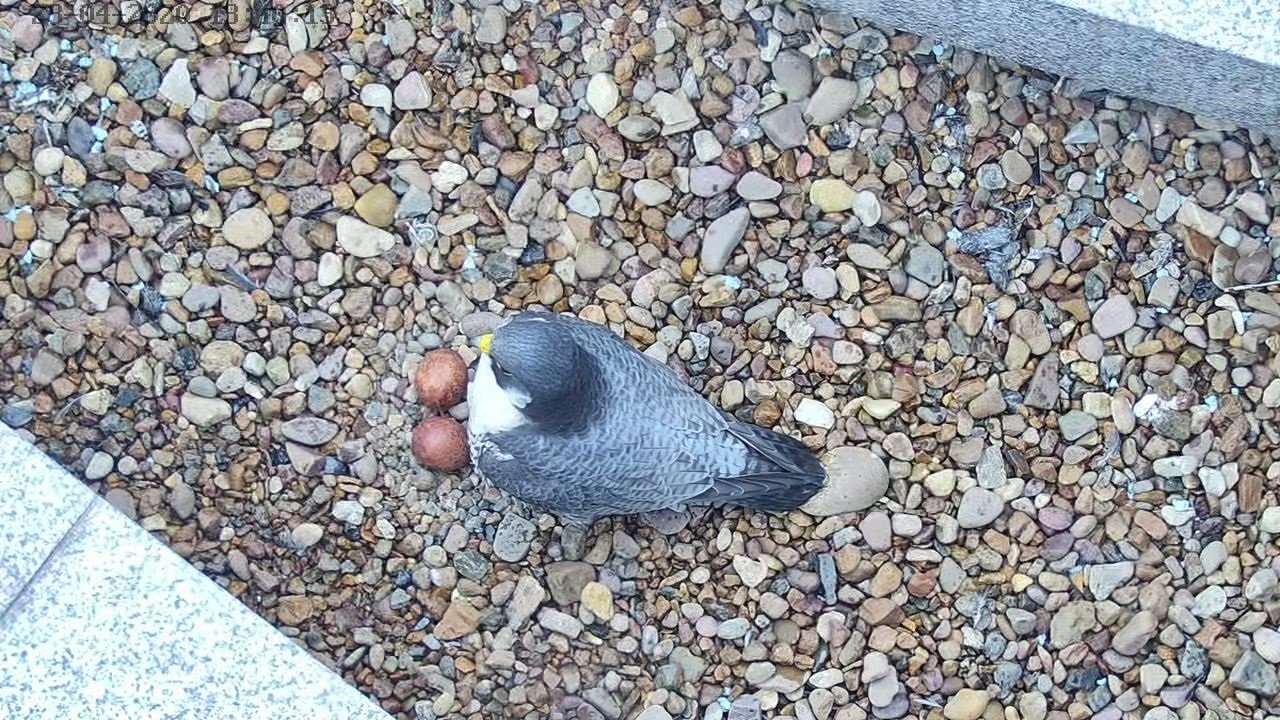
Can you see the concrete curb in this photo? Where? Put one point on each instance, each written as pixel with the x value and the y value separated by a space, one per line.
pixel 100 620
pixel 1215 59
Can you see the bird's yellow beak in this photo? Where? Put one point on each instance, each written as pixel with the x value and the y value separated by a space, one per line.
pixel 485 342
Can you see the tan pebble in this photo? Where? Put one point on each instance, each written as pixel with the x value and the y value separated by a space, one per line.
pixel 831 195
pixel 880 408
pixel 377 206
pixel 856 480
pixel 599 600
pixel 966 704
pixel 24 226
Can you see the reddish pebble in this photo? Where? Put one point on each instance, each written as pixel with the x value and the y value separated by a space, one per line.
pixel 804 164
pixel 441 379
pixel 440 443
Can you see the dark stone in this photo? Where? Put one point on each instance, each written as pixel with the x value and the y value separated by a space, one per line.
pixel 80 138
pixel 827 576
pixel 1083 679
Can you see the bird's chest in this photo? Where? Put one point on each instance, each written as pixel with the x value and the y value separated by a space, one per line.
pixel 484 452
pixel 490 408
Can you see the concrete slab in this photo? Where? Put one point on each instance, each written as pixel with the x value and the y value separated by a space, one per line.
pixel 109 623
pixel 38 505
pixel 1216 59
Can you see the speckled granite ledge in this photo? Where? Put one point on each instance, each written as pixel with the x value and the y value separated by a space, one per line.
pixel 100 620
pixel 1214 58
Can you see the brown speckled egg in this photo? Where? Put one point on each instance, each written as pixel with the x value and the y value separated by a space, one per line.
pixel 440 443
pixel 441 379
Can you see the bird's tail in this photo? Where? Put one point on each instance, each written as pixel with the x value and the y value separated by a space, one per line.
pixel 787 476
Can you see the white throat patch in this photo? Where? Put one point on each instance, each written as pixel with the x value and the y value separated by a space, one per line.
pixel 490 408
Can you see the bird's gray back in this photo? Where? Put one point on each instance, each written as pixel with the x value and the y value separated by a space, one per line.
pixel 650 442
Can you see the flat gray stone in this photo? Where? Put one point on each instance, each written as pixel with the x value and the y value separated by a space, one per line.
pixel 793 74
pixel 1255 675
pixel 785 127
pixel 832 100
pixel 979 507
pixel 514 535
pixel 926 264
pixel 722 238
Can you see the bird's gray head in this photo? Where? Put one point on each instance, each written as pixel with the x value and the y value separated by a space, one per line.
pixel 535 357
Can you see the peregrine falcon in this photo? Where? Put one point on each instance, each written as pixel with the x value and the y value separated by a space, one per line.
pixel 566 416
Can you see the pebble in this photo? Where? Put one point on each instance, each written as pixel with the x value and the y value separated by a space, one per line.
pixel 602 94
pixel 1210 602
pixel 751 572
pixel 1084 132
pixel 412 92
pixel 866 206
pixel 361 239
pixel 377 206
pixel 513 539
pixel 99 466
pixel 1136 633
pixel 832 100
pixel 1114 316
pixel 460 620
pixel 756 186
pixel 1267 644
pixel 651 193
pixel 966 704
pixel 309 431
pixel 1105 578
pixel 815 414
pixel 307 534
pixel 979 507
pixel 831 195
pixel 856 480
pixel 638 128
pixel 785 127
pixel 710 181
pixel 1016 169
pixel 674 111
pixel 565 580
pixel 583 202
pixel 926 264
pixel 248 229
pixel 1071 622
pixel 793 74
pixel 598 600
pixel 1253 674
pixel 492 28
pixel 722 239
pixel 176 86
pixel 820 282
pixel 205 412
pixel 525 600
pixel 558 622
pixel 1202 221
pixel 141 79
